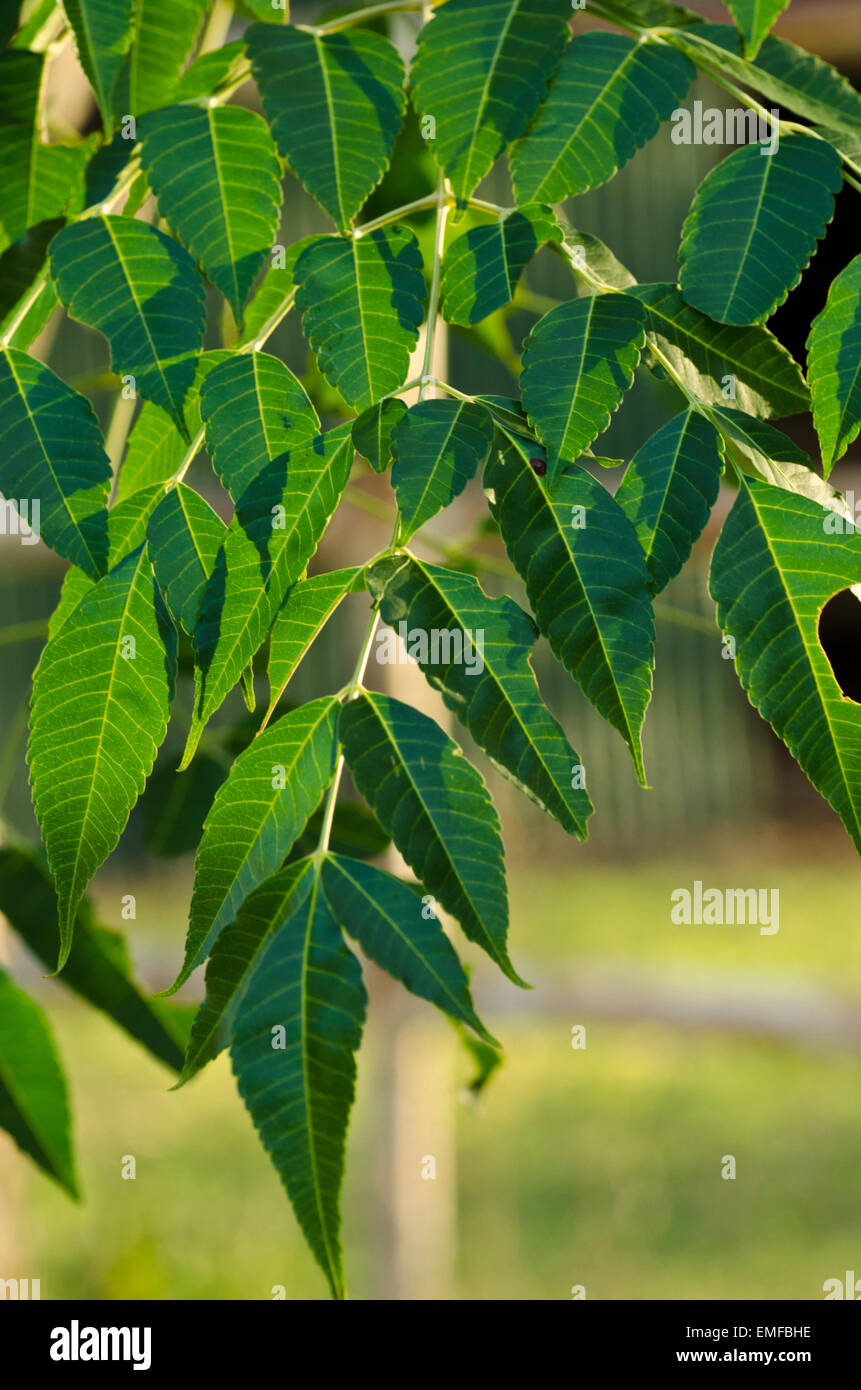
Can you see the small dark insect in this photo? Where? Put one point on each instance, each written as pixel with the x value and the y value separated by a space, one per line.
pixel 540 466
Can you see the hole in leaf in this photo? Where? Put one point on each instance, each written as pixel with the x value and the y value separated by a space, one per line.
pixel 840 637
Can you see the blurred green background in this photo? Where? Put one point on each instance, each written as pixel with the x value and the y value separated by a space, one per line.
pixel 597 1167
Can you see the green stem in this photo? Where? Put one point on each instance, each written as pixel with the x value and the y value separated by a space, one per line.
pixel 23 632
pixel 359 16
pixel 420 205
pixel 443 202
pixel 679 617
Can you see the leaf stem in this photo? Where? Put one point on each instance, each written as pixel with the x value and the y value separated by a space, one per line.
pixel 443 202
pixel 358 16
pixel 420 205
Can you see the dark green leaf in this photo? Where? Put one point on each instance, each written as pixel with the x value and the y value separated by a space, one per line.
pixel 753 227
pixel 255 410
pixel 184 536
pixel 362 304
pixel 98 968
pixel 156 448
pixel 216 175
pixel 480 73
pixel 335 103
pixel 834 363
pixel 482 268
pixel 669 489
pixel 437 448
pixel 372 432
pixel 578 362
pixel 299 1092
pixel 164 32
pixel 607 100
pixel 476 651
pixel 401 934
pixel 438 811
pixel 34 1103
pixel 51 452
pixel 773 570
pixel 587 581
pixel 103 32
pixel 99 713
pixel 21 264
pixel 175 804
pixel 142 290
pixel 256 816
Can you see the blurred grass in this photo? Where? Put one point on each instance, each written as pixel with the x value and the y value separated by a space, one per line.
pixel 598 1167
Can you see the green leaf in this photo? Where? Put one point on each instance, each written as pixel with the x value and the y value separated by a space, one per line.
pixel 142 291
pixel 754 19
pixel 335 103
pixel 481 72
pixel 98 716
pixel 362 303
pixel 668 491
pixel 265 550
pixel 753 227
pixel 255 410
pixel 355 832
pixel 299 1094
pixel 34 1103
pixel 258 813
pixel 21 264
pixel 773 570
pixel 782 72
pixel 476 651
pixel 98 968
pixel 587 582
pixel 438 811
pixel 216 176
pixel 586 252
pixel 607 100
pixel 307 608
pixel 372 432
pixel 437 447
pixel 184 536
pixel 834 363
pixel 766 379
pixel 39 181
pixel 211 72
pixel 274 290
pixel 485 1059
pixel 481 269
pixel 164 32
pixel 103 31
pixel 156 448
pixel 578 362
pixel 51 451
pixel 174 806
pixel 400 934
